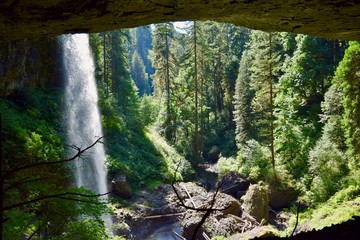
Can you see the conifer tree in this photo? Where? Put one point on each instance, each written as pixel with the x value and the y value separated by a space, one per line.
pixel 307 73
pixel 264 71
pixel 347 74
pixel 163 62
pixel 242 102
pixel 138 74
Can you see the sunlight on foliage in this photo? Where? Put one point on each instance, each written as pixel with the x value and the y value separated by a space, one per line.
pixel 176 164
pixel 341 207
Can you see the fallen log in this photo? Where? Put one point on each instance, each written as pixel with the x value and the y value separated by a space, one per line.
pixel 164 215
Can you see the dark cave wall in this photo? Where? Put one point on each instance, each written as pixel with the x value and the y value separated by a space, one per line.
pixel 30 64
pixel 33 18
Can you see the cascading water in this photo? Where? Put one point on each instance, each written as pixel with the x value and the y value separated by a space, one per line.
pixel 82 114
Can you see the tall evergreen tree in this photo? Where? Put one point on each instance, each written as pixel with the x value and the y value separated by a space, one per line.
pixel 307 73
pixel 264 75
pixel 242 102
pixel 141 42
pixel 163 62
pixel 138 74
pixel 348 75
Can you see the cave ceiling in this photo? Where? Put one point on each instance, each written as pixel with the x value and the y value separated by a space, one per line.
pixel 19 19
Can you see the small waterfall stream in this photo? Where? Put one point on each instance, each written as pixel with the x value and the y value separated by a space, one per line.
pixel 82 114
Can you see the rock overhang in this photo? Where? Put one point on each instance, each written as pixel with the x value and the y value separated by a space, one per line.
pixel 19 19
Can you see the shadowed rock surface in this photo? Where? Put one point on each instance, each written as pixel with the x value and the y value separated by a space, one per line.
pixel 324 18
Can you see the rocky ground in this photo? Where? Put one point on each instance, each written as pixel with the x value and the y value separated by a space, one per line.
pixel 242 207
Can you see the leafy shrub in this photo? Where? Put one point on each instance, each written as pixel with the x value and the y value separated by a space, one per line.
pixel 149 109
pixel 226 165
pixel 255 161
pixel 328 167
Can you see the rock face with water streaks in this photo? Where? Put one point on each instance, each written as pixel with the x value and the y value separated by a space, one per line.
pixel 29 64
pixel 32 18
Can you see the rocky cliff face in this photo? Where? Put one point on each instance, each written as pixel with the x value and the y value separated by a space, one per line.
pixel 33 18
pixel 29 64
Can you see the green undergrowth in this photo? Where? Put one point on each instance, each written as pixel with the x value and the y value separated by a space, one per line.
pixel 139 153
pixel 341 207
pixel 32 126
pixel 178 167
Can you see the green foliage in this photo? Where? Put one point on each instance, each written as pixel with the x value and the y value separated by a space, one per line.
pixel 339 208
pixel 84 228
pixel 138 74
pixel 328 167
pixel 218 238
pixel 242 102
pixel 149 109
pixel 347 75
pixel 226 165
pixel 177 166
pixel 31 127
pixel 131 150
pixel 17 223
pixel 31 124
pixel 255 161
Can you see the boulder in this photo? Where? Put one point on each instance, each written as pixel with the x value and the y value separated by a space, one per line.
pixel 281 198
pixel 121 187
pixel 233 184
pixel 214 154
pixel 220 222
pixel 258 232
pixel 189 223
pixel 256 202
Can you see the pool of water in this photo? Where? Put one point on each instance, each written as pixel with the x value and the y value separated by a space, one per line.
pixel 165 232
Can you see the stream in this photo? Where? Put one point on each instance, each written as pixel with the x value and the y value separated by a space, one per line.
pixel 165 232
pixel 163 228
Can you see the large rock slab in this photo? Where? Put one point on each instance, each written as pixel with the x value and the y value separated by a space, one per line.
pixel 33 18
pixel 233 184
pixel 222 222
pixel 256 202
pixel 282 197
pixel 121 187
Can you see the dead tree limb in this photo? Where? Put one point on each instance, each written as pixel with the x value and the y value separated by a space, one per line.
pixel 47 163
pixel 297 218
pixel 59 195
pixel 207 211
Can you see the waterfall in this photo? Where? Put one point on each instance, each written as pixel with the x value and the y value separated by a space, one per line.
pixel 82 114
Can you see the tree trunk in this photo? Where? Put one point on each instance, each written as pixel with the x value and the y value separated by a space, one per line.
pixel 105 68
pixel 271 82
pixel 167 79
pixel 196 143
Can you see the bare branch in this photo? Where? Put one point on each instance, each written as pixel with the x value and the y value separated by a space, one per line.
pixel 207 211
pixel 297 218
pixel 59 195
pixel 78 154
pixel 23 181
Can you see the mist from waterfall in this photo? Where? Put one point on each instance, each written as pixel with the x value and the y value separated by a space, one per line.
pixel 82 114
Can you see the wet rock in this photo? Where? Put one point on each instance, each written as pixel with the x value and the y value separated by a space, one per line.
pixel 221 222
pixel 213 154
pixel 54 17
pixel 281 198
pixel 121 187
pixel 256 202
pixel 190 222
pixel 258 232
pixel 133 222
pixel 234 184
